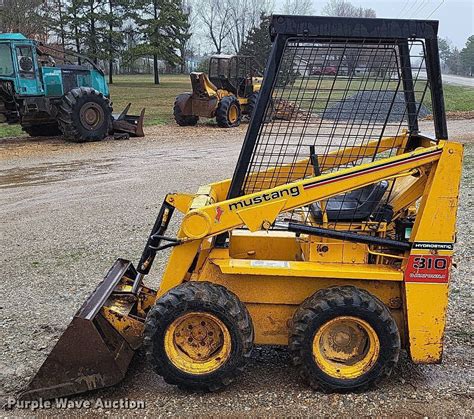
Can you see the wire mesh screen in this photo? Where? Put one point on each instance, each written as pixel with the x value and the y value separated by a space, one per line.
pixel 344 103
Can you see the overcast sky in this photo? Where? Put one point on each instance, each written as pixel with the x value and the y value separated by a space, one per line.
pixel 456 16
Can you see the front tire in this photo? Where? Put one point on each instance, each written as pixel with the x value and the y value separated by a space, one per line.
pixel 343 339
pixel 85 115
pixel 228 114
pixel 181 119
pixel 198 336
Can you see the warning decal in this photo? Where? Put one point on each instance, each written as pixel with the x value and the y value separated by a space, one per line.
pixel 428 268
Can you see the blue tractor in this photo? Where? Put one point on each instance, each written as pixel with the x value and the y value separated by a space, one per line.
pixel 48 99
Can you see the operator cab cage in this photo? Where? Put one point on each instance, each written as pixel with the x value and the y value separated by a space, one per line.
pixel 385 76
pixel 231 72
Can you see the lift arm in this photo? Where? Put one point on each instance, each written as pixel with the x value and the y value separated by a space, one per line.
pixel 259 210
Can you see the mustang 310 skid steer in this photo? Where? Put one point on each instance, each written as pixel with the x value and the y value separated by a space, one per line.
pixel 334 237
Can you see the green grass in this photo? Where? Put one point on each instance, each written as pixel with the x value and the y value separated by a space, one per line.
pixel 10 131
pixel 158 99
pixel 142 93
pixel 458 98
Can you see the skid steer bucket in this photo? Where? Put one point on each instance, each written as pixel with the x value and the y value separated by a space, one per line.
pixel 98 345
pixel 130 124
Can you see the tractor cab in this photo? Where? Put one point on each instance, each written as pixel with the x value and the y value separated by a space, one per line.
pixel 234 73
pixel 19 64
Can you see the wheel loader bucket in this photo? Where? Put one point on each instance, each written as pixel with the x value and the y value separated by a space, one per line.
pixel 130 124
pixel 98 345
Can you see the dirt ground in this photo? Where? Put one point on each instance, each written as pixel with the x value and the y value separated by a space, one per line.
pixel 69 210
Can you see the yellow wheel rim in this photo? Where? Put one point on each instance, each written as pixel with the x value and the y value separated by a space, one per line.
pixel 197 343
pixel 346 347
pixel 233 114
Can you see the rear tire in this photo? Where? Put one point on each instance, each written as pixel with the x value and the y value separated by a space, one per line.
pixel 198 336
pixel 251 104
pixel 343 339
pixel 45 130
pixel 181 119
pixel 85 115
pixel 228 114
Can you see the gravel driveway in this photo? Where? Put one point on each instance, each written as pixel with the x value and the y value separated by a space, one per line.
pixel 68 210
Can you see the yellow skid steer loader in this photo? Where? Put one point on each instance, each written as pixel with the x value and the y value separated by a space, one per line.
pixel 334 237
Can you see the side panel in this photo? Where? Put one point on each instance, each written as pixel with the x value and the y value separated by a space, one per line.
pixel 99 83
pixel 52 81
pixel 428 268
pixel 272 300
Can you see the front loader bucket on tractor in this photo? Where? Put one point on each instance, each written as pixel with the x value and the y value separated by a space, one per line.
pixel 98 345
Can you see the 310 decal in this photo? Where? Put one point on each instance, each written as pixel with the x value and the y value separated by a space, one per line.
pixel 428 268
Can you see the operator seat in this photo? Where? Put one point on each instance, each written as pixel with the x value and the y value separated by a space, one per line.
pixel 357 205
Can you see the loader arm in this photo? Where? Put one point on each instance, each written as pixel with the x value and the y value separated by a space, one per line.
pixel 206 216
pixel 259 210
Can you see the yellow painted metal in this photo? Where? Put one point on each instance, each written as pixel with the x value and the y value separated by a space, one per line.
pixel 346 347
pixel 272 300
pixel 182 202
pixel 426 303
pixel 407 191
pixel 333 251
pixel 270 245
pixel 295 195
pixel 179 262
pixel 196 225
pixel 233 114
pixel 206 85
pixel 426 306
pixel 273 272
pixel 197 343
pixel 309 269
pixel 439 202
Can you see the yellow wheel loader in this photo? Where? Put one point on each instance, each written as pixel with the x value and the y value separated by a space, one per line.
pixel 230 91
pixel 334 237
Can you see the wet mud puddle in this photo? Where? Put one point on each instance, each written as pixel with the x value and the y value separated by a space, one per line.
pixel 53 172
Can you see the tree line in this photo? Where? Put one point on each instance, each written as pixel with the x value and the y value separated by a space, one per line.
pixel 113 32
pixel 455 61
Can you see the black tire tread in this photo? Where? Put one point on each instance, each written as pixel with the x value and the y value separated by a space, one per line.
pixel 252 104
pixel 339 296
pixel 223 110
pixel 183 120
pixel 67 107
pixel 207 293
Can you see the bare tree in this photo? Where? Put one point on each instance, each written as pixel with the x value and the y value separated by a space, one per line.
pixel 184 41
pixel 298 7
pixel 345 8
pixel 214 15
pixel 227 22
pixel 25 16
pixel 244 16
